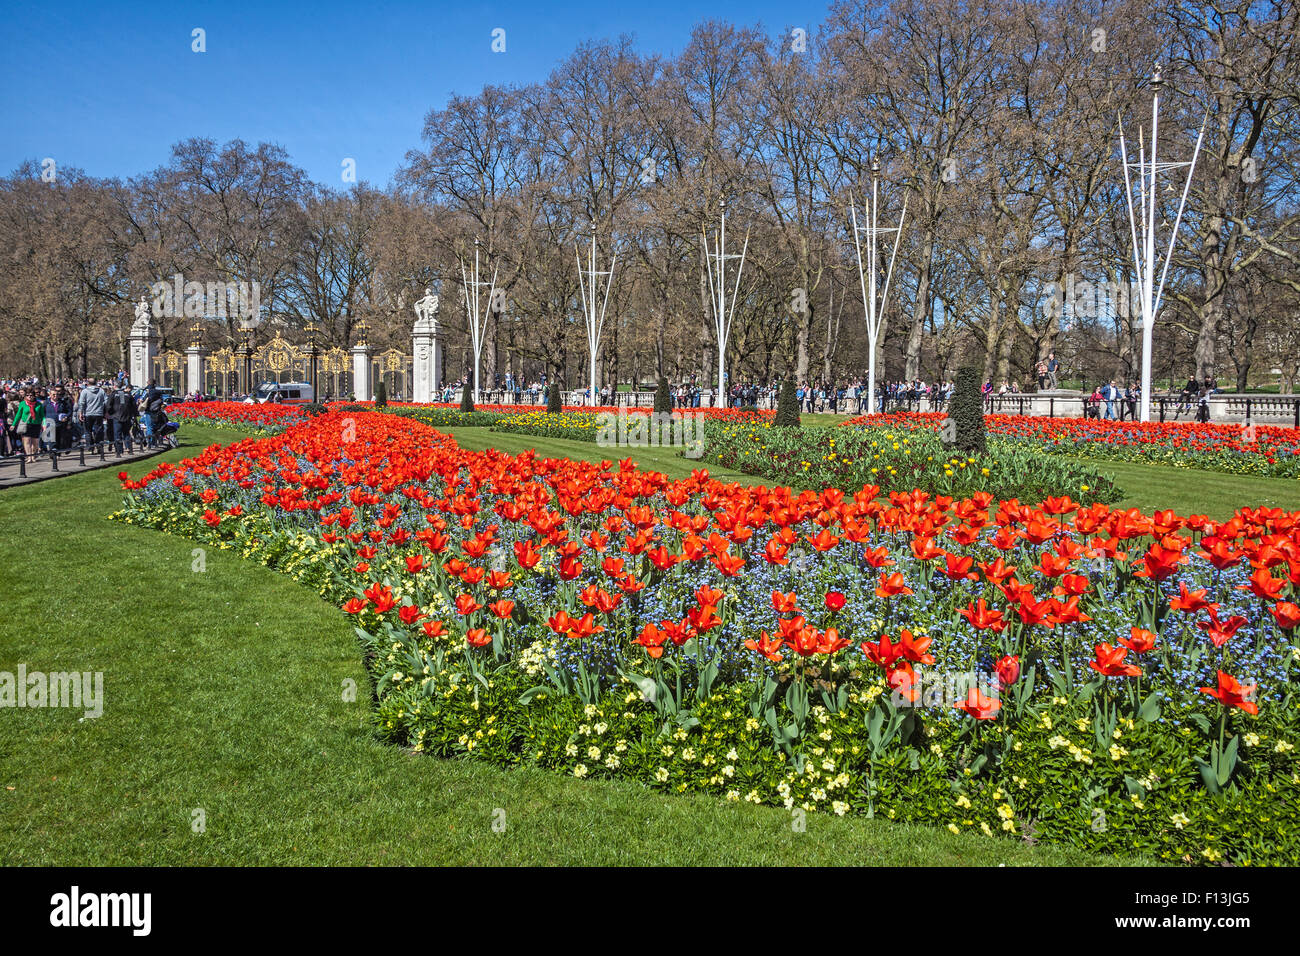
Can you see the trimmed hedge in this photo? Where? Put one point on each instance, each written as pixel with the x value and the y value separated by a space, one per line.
pixel 787 406
pixel 663 398
pixel 967 412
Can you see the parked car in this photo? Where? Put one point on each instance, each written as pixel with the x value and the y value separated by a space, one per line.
pixel 281 393
pixel 168 394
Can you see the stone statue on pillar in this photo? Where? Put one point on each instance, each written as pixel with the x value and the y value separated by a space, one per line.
pixel 426 311
pixel 143 345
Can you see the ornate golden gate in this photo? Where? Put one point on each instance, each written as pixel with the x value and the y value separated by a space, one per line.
pixel 393 368
pixel 279 360
pixel 169 370
pixel 334 374
pixel 221 373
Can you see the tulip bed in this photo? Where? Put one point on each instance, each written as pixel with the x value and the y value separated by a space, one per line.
pixel 265 419
pixel 897 458
pixel 1267 450
pixel 1073 674
pixel 574 424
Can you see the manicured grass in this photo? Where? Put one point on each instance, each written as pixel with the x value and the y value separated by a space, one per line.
pixel 223 693
pixel 1191 491
pixel 1149 487
pixel 668 461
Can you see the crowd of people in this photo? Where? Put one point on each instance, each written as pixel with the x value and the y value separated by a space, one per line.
pixel 851 397
pixel 1109 401
pixel 58 416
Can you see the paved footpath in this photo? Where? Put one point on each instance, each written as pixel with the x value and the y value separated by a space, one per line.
pixel 70 463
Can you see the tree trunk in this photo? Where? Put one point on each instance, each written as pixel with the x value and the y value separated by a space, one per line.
pixel 920 308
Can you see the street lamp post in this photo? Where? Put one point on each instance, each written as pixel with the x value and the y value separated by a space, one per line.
pixel 1144 245
pixel 873 305
pixel 478 318
pixel 246 353
pixel 311 330
pixel 588 280
pixel 722 316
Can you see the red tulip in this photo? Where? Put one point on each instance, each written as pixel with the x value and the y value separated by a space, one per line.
pixel 1220 632
pixel 768 647
pixel 892 585
pixel 784 603
pixel 979 706
pixel 1139 641
pixel 983 617
pixel 882 653
pixel 1230 693
pixel 1110 662
pixel 1189 601
pixel 914 649
pixel 652 639
pixel 1286 614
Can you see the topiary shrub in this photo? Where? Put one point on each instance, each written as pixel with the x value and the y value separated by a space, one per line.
pixel 964 428
pixel 553 406
pixel 787 406
pixel 466 398
pixel 381 395
pixel 314 409
pixel 663 398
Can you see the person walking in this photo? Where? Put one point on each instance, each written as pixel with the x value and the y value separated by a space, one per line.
pixel 59 408
pixel 147 400
pixel 92 404
pixel 1092 405
pixel 13 445
pixel 28 421
pixel 1203 403
pixel 1131 398
pixel 122 412
pixel 1053 367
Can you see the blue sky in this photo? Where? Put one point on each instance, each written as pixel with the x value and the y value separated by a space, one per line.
pixel 108 87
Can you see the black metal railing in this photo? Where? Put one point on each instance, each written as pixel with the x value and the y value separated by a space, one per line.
pixel 103 448
pixel 1166 407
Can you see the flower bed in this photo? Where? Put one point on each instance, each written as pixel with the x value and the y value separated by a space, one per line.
pixel 1265 450
pixel 897 458
pixel 266 419
pixel 574 424
pixel 1131 677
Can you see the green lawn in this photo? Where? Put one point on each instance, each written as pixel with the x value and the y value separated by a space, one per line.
pixel 1149 487
pixel 1189 491
pixel 223 695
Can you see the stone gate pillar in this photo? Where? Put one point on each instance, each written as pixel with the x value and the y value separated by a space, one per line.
pixel 143 346
pixel 426 352
pixel 195 357
pixel 361 385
